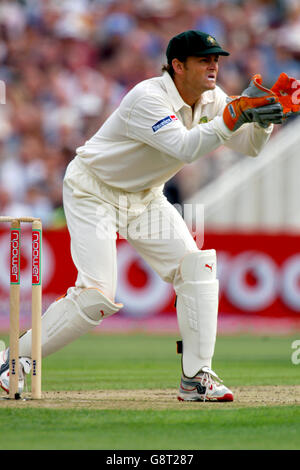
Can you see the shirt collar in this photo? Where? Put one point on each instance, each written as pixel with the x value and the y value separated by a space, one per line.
pixel 173 93
pixel 207 97
pixel 177 101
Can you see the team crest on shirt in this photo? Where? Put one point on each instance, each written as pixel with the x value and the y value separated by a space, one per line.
pixel 203 120
pixel 163 122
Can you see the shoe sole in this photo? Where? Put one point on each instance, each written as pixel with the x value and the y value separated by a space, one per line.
pixel 227 397
pixel 3 388
pixel 20 390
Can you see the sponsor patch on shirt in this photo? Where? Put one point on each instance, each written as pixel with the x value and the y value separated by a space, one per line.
pixel 163 122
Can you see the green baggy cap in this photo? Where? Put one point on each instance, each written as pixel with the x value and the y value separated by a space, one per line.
pixel 193 43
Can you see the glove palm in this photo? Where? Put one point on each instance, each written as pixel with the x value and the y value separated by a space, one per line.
pixel 257 104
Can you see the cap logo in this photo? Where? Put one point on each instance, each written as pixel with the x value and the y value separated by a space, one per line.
pixel 211 40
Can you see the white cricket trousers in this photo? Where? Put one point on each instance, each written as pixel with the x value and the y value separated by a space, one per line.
pixel 95 212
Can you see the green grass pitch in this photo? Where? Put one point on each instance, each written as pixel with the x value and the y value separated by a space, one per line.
pixel 126 364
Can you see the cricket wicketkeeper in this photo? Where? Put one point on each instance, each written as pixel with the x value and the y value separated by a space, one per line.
pixel 115 184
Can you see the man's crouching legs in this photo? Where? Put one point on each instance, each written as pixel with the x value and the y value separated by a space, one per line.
pixel 69 318
pixel 197 312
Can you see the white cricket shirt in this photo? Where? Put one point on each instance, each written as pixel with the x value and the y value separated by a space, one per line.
pixel 153 133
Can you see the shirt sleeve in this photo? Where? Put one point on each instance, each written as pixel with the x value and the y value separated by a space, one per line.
pixel 152 122
pixel 250 139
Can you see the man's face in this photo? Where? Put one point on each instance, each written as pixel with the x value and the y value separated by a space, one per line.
pixel 200 73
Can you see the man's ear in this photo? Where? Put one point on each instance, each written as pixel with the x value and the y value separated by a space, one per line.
pixel 178 66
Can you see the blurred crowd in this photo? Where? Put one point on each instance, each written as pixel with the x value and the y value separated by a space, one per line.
pixel 66 64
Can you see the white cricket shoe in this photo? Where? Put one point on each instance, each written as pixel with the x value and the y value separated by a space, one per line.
pixel 24 368
pixel 205 386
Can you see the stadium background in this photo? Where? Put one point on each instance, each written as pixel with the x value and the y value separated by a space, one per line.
pixel 66 65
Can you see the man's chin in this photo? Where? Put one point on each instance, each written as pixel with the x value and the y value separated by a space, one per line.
pixel 211 85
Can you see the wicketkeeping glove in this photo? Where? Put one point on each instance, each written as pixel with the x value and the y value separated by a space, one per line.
pixel 257 104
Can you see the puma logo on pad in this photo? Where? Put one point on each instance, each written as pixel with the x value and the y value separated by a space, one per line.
pixel 209 266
